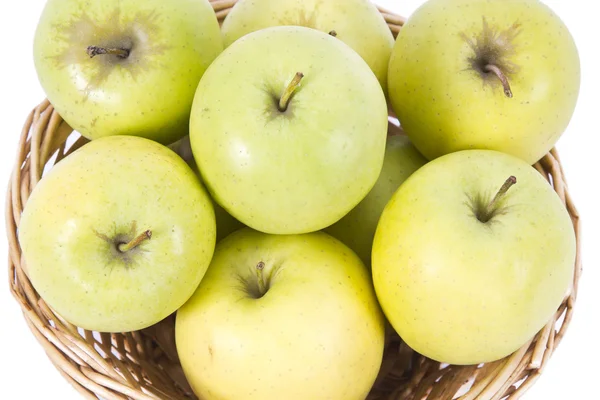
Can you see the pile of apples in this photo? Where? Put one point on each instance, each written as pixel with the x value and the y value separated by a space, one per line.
pixel 304 220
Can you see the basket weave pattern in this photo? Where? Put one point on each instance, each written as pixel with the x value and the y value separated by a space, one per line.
pixel 144 364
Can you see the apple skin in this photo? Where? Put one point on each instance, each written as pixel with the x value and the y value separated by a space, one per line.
pixel 149 93
pixel 108 192
pixel 302 169
pixel 319 318
pixel 445 105
pixel 357 23
pixel 226 224
pixel 357 228
pixel 461 291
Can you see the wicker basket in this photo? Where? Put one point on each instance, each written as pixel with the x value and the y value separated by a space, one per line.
pixel 144 364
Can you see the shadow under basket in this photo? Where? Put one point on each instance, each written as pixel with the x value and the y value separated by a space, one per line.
pixel 144 364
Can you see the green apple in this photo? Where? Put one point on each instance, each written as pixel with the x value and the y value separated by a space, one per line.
pixel 118 235
pixel 226 224
pixel 357 23
pixel 357 228
pixel 467 268
pixel 288 128
pixel 484 74
pixel 125 67
pixel 281 317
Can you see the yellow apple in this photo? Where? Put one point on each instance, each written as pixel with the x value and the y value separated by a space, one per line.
pixel 467 268
pixel 484 74
pixel 357 228
pixel 226 224
pixel 357 23
pixel 117 235
pixel 282 317
pixel 125 67
pixel 288 128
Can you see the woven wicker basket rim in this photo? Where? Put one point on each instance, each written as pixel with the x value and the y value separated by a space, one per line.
pixel 144 364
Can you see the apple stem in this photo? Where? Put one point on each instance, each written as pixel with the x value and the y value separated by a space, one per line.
pixel 333 33
pixel 125 247
pixel 498 72
pixel 262 287
pixel 93 51
pixel 507 185
pixel 289 91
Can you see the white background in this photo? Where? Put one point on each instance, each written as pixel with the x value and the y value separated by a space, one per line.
pixel 26 373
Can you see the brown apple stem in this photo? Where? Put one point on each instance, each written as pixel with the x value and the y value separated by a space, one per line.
pixel 261 278
pixel 289 91
pixel 498 72
pixel 333 33
pixel 125 247
pixel 507 185
pixel 93 51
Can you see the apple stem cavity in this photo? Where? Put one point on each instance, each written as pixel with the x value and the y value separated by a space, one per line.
pixel 93 51
pixel 125 247
pixel 289 91
pixel 260 278
pixel 488 212
pixel 494 69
